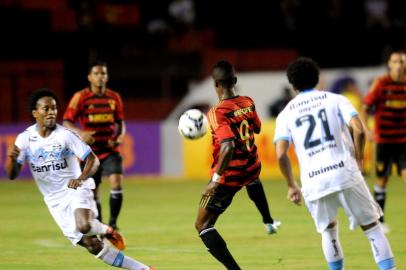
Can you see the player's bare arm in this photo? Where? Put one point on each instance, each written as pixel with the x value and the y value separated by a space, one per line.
pixel 91 165
pixel 364 119
pixel 120 134
pixel 294 193
pixel 358 134
pixel 87 136
pixel 226 153
pixel 13 167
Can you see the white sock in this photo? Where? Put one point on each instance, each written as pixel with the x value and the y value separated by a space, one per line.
pixel 116 258
pixel 332 248
pixel 96 228
pixel 380 248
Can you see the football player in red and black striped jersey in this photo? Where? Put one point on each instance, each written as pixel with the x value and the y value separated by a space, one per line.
pixel 99 112
pixel 387 96
pixel 233 122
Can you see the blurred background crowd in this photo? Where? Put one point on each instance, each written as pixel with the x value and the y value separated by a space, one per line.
pixel 156 48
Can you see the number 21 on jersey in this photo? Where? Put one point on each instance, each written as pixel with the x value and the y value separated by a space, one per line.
pixel 312 123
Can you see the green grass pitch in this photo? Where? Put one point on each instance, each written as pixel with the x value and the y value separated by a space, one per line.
pixel 158 221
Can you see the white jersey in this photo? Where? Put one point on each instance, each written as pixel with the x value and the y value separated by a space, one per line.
pixel 317 124
pixel 53 160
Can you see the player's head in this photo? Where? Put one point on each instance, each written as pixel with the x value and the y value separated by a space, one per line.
pixel 303 74
pixel 42 105
pixel 97 74
pixel 223 75
pixel 397 64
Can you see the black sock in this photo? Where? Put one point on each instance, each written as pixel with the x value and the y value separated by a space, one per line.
pixel 218 248
pixel 257 195
pixel 380 198
pixel 98 205
pixel 116 200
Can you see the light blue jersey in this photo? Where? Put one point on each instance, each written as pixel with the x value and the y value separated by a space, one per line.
pixel 317 124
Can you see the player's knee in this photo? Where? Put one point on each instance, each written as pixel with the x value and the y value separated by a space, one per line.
pixel 117 188
pixel 94 246
pixel 382 181
pixel 199 226
pixel 83 227
pixel 332 224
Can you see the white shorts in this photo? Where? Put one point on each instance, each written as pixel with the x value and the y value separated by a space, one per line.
pixel 358 204
pixel 64 212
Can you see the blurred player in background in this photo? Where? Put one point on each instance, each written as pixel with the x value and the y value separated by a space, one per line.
pixel 233 122
pixel 329 141
pixel 53 154
pixel 387 98
pixel 99 111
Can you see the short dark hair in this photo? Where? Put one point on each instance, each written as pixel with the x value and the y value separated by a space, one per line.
pixel 96 63
pixel 223 73
pixel 303 73
pixel 38 94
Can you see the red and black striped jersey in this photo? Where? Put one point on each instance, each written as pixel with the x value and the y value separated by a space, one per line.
pixel 99 114
pixel 389 99
pixel 236 119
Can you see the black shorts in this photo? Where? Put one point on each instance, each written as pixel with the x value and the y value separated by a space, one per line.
pixel 113 164
pixel 386 155
pixel 220 200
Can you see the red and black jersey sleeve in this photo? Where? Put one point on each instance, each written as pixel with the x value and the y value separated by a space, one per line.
pixel 73 110
pixel 371 98
pixel 119 112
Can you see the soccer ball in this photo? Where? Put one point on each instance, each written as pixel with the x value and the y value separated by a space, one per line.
pixel 193 124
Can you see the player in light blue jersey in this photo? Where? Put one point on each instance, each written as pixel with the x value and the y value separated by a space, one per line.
pixel 329 142
pixel 53 152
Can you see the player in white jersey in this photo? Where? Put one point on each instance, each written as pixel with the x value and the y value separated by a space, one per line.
pixel 53 152
pixel 329 141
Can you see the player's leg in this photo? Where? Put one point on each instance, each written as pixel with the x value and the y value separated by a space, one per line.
pixel 361 209
pixel 401 161
pixel 256 193
pixel 209 210
pixel 332 247
pixel 96 192
pixel 383 171
pixel 116 197
pixel 380 246
pixel 114 169
pixel 323 212
pixel 110 255
pixel 84 213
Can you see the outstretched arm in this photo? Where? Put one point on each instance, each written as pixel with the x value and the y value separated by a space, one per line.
pixel 294 193
pixel 13 167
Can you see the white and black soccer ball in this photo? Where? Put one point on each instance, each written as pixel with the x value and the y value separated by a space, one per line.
pixel 193 124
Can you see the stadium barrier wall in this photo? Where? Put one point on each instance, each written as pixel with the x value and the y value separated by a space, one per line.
pixel 153 148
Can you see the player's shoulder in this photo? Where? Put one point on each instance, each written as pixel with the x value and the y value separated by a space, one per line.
pixel 85 92
pixel 383 78
pixel 65 131
pixel 79 96
pixel 28 132
pixel 380 80
pixel 112 93
pixel 247 98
